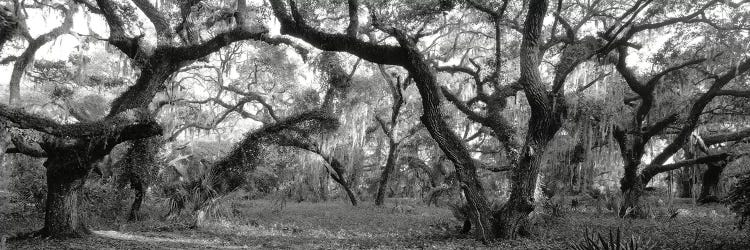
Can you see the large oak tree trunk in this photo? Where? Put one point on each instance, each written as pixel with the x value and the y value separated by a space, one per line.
pixel 631 185
pixel 631 194
pixel 547 111
pixel 632 149
pixel 512 220
pixel 480 215
pixel 64 185
pixel 390 165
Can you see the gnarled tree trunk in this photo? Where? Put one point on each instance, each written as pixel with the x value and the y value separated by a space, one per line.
pixel 512 219
pixel 631 194
pixel 62 216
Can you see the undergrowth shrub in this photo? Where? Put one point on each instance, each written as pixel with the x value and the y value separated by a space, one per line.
pixel 461 212
pixel 443 195
pixel 597 241
pixel 738 200
pixel 27 181
pixel 103 199
pixel 192 193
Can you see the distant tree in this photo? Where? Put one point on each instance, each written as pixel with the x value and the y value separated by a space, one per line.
pixel 22 62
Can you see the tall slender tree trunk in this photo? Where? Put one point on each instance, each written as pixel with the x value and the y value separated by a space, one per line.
pixel 390 165
pixel 340 178
pixel 19 69
pixel 350 194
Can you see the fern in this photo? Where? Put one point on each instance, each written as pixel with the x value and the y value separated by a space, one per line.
pixel 614 241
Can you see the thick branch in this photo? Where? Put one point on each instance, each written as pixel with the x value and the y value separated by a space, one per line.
pixel 655 79
pixel 734 93
pixel 161 24
pixel 471 114
pixel 659 126
pixel 381 54
pixel 219 41
pixel 24 120
pixel 627 74
pixel 697 109
pixel 652 170
pixel 728 137
pixel 117 36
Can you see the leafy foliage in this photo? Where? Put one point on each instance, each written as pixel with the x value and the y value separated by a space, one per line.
pixel 738 200
pixel 28 181
pixel 614 241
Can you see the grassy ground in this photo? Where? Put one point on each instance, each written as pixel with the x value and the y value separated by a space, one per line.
pixel 337 225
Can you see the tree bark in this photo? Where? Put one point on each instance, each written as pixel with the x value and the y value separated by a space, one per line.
pixel 631 194
pixel 139 188
pixel 547 111
pixel 480 213
pixel 339 178
pixel 390 165
pixel 631 186
pixel 711 178
pixel 62 216
pixel 512 220
pixel 632 149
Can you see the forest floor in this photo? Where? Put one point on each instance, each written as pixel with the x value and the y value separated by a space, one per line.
pixel 336 225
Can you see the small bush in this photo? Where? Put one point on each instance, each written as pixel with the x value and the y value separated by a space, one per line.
pixel 614 241
pixel 738 200
pixel 28 181
pixel 104 200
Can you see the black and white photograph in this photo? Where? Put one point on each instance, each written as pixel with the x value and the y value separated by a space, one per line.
pixel 375 124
